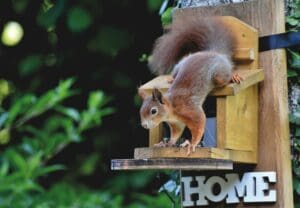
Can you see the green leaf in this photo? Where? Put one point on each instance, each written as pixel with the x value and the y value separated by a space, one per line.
pixel 296 185
pixel 33 162
pixel 30 64
pixel 166 17
pixel 5 89
pixel 4 136
pixel 49 169
pixel 71 112
pixel 297 170
pixel 47 19
pixel 4 168
pixel 95 99
pixel 89 165
pixel 110 40
pixel 154 5
pixel 297 14
pixel 295 118
pixel 291 21
pixel 78 19
pixel 291 73
pixel 52 98
pixel 297 132
pixel 295 60
pixel 17 159
pixel 3 118
pixel 21 106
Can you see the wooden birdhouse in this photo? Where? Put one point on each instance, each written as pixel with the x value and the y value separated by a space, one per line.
pixel 236 110
pixel 236 106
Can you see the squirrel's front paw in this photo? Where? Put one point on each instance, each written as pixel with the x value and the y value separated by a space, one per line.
pixel 163 143
pixel 187 144
pixel 236 78
pixel 160 144
pixel 190 147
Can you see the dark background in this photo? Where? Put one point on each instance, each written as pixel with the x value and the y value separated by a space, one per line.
pixel 107 55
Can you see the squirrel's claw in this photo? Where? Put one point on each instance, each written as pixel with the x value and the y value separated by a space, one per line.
pixel 236 78
pixel 187 144
pixel 171 143
pixel 160 144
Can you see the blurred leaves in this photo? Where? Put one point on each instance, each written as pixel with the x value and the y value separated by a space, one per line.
pixel 294 17
pixel 5 90
pixel 293 24
pixel 49 13
pixel 19 5
pixel 78 19
pixel 166 17
pixel 154 5
pixel 30 64
pixel 21 166
pixel 110 40
pixel 37 124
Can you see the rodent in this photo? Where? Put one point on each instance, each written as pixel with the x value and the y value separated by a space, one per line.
pixel 198 52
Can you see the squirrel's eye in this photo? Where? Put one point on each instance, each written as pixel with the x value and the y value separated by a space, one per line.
pixel 153 111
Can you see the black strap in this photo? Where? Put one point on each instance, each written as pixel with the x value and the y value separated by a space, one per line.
pixel 276 41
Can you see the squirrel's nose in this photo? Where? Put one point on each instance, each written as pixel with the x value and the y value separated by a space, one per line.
pixel 145 125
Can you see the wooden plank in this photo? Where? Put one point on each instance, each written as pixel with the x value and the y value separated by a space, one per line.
pixel 244 54
pixel 155 135
pixel 245 37
pixel 250 77
pixel 274 144
pixel 241 125
pixel 221 122
pixel 212 153
pixel 171 163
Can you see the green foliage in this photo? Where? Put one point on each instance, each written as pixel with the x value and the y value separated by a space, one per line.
pixel 48 131
pixel 50 13
pixel 23 164
pixel 293 23
pixel 78 19
pixel 154 5
pixel 30 64
pixel 166 17
pixel 294 17
pixel 110 40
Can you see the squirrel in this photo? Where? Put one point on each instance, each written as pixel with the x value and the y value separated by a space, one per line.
pixel 198 51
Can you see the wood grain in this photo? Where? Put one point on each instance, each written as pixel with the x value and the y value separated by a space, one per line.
pixel 171 163
pixel 238 156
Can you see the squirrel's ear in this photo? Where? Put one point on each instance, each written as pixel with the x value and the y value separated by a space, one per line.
pixel 142 94
pixel 157 96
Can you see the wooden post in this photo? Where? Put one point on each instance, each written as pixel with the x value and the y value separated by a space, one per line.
pixel 273 144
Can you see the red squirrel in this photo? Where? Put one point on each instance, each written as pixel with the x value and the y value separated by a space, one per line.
pixel 198 51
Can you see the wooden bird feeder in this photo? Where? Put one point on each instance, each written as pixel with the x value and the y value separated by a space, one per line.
pixel 251 119
pixel 236 114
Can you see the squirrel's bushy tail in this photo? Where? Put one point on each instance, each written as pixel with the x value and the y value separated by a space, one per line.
pixel 188 35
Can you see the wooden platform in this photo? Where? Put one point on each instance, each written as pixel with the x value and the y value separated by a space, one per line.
pixel 250 77
pixel 172 164
pixel 237 156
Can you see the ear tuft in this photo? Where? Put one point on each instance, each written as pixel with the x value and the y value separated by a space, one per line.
pixel 142 94
pixel 157 96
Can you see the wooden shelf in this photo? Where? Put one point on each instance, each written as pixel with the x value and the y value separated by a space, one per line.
pixel 250 77
pixel 172 164
pixel 238 156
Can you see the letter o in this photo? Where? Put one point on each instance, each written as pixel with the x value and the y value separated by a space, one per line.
pixel 209 189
